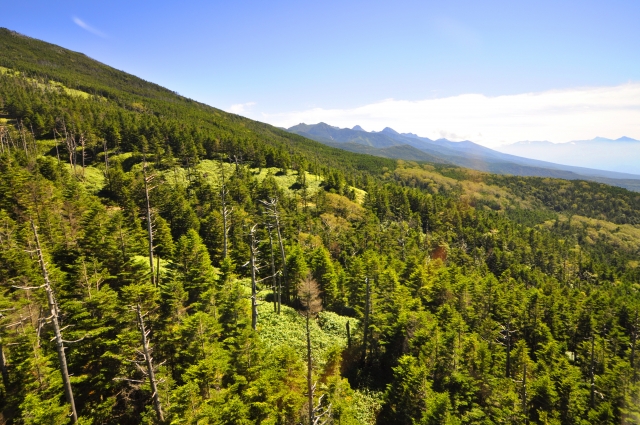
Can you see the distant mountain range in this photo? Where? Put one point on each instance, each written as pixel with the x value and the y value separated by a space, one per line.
pixel 622 155
pixel 391 144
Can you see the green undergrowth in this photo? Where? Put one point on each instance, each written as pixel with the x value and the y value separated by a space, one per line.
pixel 328 331
pixel 366 405
pixel 91 178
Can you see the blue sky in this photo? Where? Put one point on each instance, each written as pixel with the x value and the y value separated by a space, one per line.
pixel 280 61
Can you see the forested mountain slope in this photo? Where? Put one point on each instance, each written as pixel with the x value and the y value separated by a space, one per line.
pixel 184 257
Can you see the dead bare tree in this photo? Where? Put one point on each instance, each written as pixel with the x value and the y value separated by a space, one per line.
pixel 309 295
pixel 277 285
pixel 4 139
pixel 507 336
pixel 148 361
pixel 70 142
pixel 147 189
pixel 634 339
pixel 226 212
pixel 254 268
pixel 273 213
pixel 55 137
pixel 367 308
pixel 4 370
pixel 55 319
pixel 22 136
pixel 106 157
pixel 254 263
pixel 82 153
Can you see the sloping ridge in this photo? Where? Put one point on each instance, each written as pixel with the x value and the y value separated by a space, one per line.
pixel 78 71
pixel 38 59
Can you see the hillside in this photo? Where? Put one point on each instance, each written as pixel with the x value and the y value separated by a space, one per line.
pixel 179 259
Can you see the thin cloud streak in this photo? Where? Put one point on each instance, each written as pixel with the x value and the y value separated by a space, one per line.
pixel 556 116
pixel 79 22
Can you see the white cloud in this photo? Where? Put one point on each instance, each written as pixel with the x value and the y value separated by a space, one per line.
pixel 241 108
pixel 79 22
pixel 557 116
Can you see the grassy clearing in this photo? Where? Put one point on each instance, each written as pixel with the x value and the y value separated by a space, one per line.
pixel 92 180
pixel 328 332
pixel 212 169
pixel 288 328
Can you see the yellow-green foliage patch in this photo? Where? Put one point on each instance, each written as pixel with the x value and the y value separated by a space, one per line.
pixel 470 183
pixel 474 191
pixel 67 90
pixel 120 157
pixel 143 261
pixel 622 236
pixel 343 207
pixel 426 177
pixel 50 85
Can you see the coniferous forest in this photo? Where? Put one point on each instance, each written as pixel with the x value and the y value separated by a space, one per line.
pixel 163 261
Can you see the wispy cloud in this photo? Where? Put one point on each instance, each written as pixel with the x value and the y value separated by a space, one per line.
pixel 82 24
pixel 241 108
pixel 557 116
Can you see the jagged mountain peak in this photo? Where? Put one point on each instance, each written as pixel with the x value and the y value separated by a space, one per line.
pixel 389 130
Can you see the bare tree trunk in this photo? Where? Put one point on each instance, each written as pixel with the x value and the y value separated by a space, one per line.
pixel 284 261
pixel 157 270
pixel 254 291
pixel 225 218
pixel 309 295
pixel 309 370
pixel 71 147
pixel 276 292
pixel 634 340
pixel 508 344
pixel 4 370
pixel 225 213
pixel 149 225
pixel 272 211
pixel 524 391
pixel 592 380
pixel 57 151
pixel 24 140
pixel 82 145
pixel 365 337
pixel 2 140
pixel 149 363
pixel 56 326
pixel 106 156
